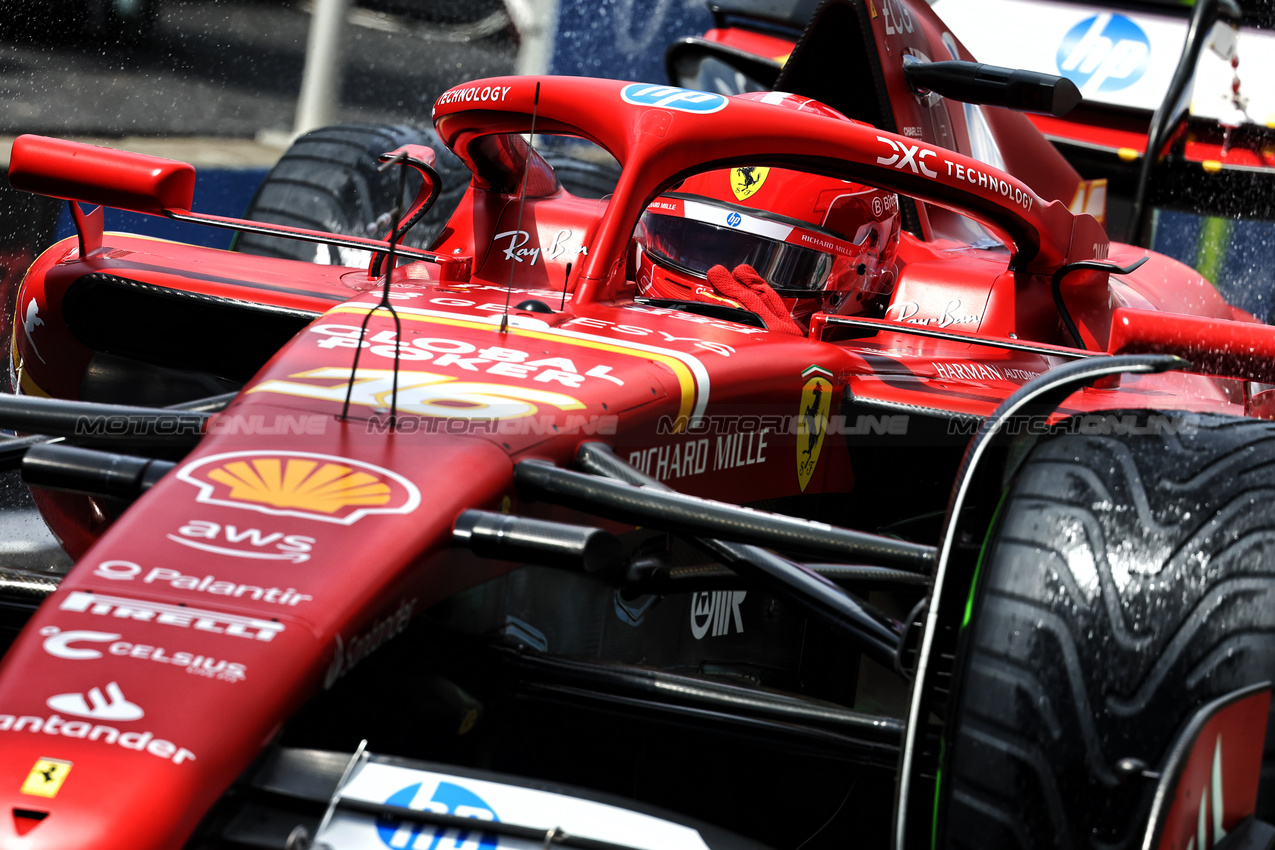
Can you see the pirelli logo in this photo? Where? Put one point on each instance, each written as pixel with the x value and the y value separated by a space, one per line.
pixel 171 615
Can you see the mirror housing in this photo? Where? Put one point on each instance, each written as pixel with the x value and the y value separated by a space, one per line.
pixel 974 82
pixel 684 63
pixel 74 171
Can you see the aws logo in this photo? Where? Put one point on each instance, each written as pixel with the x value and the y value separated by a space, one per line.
pixel 244 543
pixel 1104 53
pixel 447 799
pixel 301 484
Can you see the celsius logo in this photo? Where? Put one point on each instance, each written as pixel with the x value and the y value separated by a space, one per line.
pixel 447 799
pixel 716 609
pixel 1104 53
pixel 112 706
pixel 669 97
pixel 734 219
pixel 59 644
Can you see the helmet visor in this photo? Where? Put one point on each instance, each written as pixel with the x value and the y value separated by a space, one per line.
pixel 694 247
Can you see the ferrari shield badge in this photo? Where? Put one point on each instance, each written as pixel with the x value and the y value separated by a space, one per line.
pixel 812 421
pixel 747 180
pixel 46 777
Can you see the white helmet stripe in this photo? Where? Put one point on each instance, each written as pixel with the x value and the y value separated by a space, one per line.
pixel 724 217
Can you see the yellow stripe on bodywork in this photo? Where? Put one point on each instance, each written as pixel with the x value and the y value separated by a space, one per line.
pixel 25 383
pixel 685 377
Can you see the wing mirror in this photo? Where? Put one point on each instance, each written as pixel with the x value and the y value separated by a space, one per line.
pixel 974 82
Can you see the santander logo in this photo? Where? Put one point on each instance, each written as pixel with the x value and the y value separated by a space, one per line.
pixel 109 706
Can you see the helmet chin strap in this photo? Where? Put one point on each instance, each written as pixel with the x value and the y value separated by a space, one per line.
pixel 749 288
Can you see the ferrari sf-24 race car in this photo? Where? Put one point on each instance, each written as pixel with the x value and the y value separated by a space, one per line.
pixel 651 521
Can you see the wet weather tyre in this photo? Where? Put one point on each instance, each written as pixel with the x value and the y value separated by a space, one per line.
pixel 584 178
pixel 328 180
pixel 1129 579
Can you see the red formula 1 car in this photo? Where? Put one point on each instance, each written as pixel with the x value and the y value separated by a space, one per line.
pixel 823 484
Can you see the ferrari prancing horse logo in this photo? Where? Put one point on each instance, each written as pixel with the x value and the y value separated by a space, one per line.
pixel 746 180
pixel 812 421
pixel 46 777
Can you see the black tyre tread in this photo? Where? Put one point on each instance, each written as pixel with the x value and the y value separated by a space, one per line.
pixel 328 180
pixel 1131 579
pixel 584 178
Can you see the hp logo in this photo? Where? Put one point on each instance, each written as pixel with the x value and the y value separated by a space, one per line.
pixel 447 799
pixel 734 219
pixel 1104 53
pixel 669 97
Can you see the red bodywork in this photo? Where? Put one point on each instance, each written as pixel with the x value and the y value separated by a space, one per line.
pixel 292 542
pixel 1210 783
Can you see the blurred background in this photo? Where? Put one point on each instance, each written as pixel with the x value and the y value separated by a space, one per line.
pixel 231 69
pixel 219 83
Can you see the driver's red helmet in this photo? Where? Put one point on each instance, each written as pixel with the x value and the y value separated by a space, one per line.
pixel 821 243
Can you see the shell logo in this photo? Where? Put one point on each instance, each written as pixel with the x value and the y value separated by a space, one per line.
pixel 301 484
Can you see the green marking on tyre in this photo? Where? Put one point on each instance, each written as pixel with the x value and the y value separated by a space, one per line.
pixel 982 553
pixel 938 785
pixel 1215 236
pixel 969 609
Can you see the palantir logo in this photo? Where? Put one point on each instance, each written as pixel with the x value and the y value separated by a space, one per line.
pixel 1104 53
pixel 670 97
pixel 447 799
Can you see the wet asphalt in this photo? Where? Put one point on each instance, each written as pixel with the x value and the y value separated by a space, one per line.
pixel 232 69
pixel 215 84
